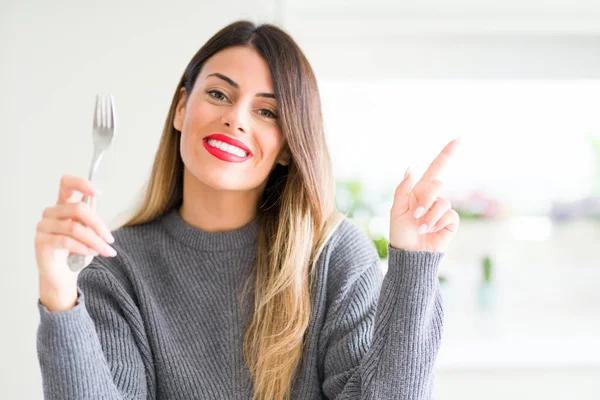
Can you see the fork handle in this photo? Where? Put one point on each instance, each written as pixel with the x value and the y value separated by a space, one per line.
pixel 76 261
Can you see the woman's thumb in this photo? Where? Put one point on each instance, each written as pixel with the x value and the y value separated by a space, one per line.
pixel 401 196
pixel 93 203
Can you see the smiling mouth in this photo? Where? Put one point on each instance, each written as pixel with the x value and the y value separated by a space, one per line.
pixel 224 153
pixel 226 147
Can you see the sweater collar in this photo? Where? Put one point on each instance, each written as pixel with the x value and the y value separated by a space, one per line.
pixel 209 241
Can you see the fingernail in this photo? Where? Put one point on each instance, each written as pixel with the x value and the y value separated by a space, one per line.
pixel 112 252
pixel 419 213
pixel 110 238
pixel 422 229
pixel 406 173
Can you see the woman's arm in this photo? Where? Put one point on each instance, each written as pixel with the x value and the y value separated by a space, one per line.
pixel 97 349
pixel 383 334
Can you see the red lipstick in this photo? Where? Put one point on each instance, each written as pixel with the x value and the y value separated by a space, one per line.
pixel 223 155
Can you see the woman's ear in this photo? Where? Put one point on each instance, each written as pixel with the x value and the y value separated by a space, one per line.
pixel 180 110
pixel 285 158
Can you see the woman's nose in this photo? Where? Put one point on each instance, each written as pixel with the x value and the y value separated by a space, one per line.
pixel 235 119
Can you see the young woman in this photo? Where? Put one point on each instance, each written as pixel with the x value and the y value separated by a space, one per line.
pixel 237 278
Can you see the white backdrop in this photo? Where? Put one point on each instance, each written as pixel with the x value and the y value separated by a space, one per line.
pixel 57 55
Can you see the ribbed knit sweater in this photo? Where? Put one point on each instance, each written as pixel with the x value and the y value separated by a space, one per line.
pixel 162 320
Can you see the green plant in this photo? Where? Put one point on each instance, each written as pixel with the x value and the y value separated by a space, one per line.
pixel 487 269
pixel 381 245
pixel 350 198
pixel 467 215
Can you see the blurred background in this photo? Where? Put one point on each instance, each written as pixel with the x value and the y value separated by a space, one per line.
pixel 518 81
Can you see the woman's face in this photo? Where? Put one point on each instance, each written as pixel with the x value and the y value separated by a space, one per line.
pixel 232 99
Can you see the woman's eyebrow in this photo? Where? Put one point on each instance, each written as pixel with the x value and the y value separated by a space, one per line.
pixel 235 85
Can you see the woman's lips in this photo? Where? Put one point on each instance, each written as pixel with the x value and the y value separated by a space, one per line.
pixel 229 140
pixel 223 155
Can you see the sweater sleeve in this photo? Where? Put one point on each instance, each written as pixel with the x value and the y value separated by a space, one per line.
pixel 384 335
pixel 97 349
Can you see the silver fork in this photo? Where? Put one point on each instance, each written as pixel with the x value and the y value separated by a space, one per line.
pixel 103 133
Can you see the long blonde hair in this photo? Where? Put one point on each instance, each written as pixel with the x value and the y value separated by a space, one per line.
pixel 298 198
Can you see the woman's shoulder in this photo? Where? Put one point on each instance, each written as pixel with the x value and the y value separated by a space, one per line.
pixel 133 244
pixel 349 253
pixel 138 238
pixel 350 243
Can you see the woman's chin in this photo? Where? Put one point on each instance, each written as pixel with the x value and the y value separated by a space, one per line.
pixel 225 183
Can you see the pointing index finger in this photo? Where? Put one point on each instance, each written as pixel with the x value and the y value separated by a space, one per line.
pixel 440 162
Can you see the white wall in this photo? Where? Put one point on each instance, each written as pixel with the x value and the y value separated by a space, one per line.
pixel 57 55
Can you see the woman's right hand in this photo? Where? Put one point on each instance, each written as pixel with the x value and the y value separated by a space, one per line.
pixel 60 232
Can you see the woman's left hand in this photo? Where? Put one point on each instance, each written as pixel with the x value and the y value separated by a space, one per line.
pixel 437 223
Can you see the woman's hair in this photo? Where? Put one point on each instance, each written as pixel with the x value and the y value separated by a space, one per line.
pixel 297 212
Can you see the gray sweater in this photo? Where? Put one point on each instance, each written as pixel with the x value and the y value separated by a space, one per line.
pixel 162 320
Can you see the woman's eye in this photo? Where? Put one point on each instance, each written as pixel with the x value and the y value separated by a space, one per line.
pixel 217 95
pixel 268 113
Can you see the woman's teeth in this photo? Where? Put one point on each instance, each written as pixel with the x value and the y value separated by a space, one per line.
pixel 236 151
